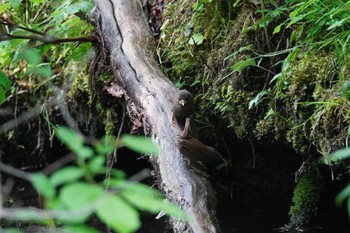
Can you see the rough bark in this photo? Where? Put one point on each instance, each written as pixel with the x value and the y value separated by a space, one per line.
pixel 128 41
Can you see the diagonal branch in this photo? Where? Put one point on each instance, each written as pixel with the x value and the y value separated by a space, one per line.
pixel 149 96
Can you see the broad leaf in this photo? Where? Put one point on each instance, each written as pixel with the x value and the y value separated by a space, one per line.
pixel 117 214
pixel 65 175
pixel 43 185
pixel 2 95
pixel 196 39
pixel 243 64
pixel 74 142
pixel 148 199
pixel 80 195
pixel 41 70
pixel 32 56
pixel 4 80
pixel 79 229
pixel 139 144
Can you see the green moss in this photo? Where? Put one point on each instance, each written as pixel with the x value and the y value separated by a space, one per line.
pixel 109 123
pixel 302 107
pixel 76 74
pixel 305 200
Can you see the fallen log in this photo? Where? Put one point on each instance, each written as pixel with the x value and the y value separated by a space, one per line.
pixel 149 95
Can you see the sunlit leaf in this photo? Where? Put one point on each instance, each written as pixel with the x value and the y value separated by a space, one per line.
pixel 74 142
pixel 337 23
pixel 4 80
pixel 257 99
pixel 196 38
pixel 37 2
pixel 43 185
pixel 81 52
pixel 139 144
pixel 145 198
pixel 66 174
pixel 32 56
pixel 238 66
pixel 79 195
pixel 4 7
pixel 41 70
pixel 80 198
pixel 79 229
pixel 339 154
pixel 15 3
pixel 119 215
pixel 85 7
pixel 277 29
pixel 96 165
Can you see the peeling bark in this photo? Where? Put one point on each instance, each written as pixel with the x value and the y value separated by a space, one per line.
pixel 149 95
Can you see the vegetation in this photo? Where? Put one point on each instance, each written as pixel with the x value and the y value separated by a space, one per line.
pixel 305 201
pixel 74 193
pixel 289 87
pixel 45 47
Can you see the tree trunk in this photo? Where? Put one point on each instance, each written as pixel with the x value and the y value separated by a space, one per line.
pixel 126 37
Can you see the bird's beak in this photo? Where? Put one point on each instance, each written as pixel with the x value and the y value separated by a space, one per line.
pixel 182 102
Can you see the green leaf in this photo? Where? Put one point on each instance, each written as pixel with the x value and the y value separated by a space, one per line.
pixel 79 198
pixel 277 29
pixel 238 66
pixel 340 154
pixel 74 142
pixel 43 185
pixel 66 175
pixel 344 194
pixel 117 214
pixel 85 7
pixel 79 229
pixel 4 80
pixel 4 7
pixel 139 144
pixel 69 137
pixel 41 70
pixel 2 95
pixel 96 165
pixel 196 38
pixel 105 145
pixel 15 3
pixel 255 101
pixel 37 2
pixel 32 56
pixel 118 174
pixel 81 52
pixel 148 199
pixel 80 195
pixel 337 23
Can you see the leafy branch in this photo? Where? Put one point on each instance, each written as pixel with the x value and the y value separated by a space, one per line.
pixel 38 36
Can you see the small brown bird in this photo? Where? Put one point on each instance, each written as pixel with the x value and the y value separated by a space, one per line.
pixel 183 106
pixel 196 151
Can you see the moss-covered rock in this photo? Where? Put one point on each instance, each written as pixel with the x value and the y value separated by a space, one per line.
pixel 305 200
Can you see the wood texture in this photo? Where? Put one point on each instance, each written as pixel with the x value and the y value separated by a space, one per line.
pixel 128 41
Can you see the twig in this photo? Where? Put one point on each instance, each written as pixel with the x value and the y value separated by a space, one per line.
pixel 111 160
pixel 58 164
pixel 15 172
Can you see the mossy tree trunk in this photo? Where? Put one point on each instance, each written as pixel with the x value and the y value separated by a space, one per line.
pixel 128 41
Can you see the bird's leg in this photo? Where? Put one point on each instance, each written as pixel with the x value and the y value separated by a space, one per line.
pixel 185 133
